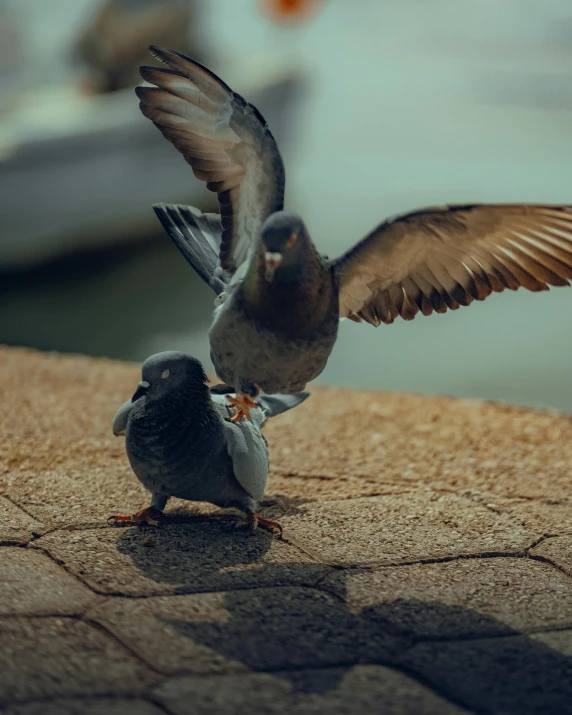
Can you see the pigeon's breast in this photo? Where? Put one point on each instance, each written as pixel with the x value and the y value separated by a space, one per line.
pixel 245 352
pixel 170 458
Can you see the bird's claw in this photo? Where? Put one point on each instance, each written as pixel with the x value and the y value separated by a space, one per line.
pixel 147 516
pixel 255 521
pixel 243 403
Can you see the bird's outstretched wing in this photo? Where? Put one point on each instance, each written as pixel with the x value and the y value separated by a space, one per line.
pixel 445 257
pixel 224 139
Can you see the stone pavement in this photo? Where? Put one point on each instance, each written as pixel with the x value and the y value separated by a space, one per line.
pixel 425 568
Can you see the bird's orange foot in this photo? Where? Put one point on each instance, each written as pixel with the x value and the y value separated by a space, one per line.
pixel 243 403
pixel 255 521
pixel 144 516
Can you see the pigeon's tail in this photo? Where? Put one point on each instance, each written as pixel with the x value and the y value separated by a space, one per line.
pixel 197 236
pixel 276 404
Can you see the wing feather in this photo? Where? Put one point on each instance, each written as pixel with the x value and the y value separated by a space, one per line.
pixel 224 139
pixel 249 454
pixel 441 258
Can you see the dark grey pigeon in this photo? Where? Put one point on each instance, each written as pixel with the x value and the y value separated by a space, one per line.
pixel 180 441
pixel 279 300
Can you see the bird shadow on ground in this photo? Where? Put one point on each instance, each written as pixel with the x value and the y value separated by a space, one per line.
pixel 485 667
pixel 191 553
pixel 279 505
pixel 292 622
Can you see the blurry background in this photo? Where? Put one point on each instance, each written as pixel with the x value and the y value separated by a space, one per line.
pixel 379 106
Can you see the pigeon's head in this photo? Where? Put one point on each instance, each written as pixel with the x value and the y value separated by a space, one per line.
pixel 283 237
pixel 169 371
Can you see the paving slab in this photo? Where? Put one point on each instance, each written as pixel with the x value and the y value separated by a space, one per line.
pixel 17 527
pixel 260 629
pixel 542 517
pixel 558 550
pixel 33 585
pixel 49 392
pixel 560 641
pixel 443 442
pixel 292 489
pixel 79 498
pixel 516 675
pixel 402 528
pixel 463 598
pixel 61 657
pixel 364 689
pixel 87 706
pixel 208 555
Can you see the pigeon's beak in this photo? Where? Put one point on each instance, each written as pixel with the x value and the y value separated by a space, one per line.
pixel 271 262
pixel 142 388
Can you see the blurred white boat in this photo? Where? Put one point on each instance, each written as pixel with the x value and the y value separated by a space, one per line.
pixel 81 171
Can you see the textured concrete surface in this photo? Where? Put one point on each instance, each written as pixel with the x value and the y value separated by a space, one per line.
pixel 426 565
pixel 557 550
pixel 86 706
pixel 336 691
pixel 414 526
pixel 459 598
pixel 17 527
pixel 510 675
pixel 47 657
pixel 260 629
pixel 33 585
pixel 201 556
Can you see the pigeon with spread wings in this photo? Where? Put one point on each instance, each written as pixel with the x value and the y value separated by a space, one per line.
pixel 279 300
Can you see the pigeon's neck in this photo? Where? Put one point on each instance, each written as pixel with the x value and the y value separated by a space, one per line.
pixel 299 298
pixel 190 407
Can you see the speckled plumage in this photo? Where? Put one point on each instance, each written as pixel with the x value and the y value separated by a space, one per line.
pixel 179 443
pixel 174 454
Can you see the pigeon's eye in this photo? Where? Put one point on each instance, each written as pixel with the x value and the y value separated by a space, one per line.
pixel 291 241
pixel 165 374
